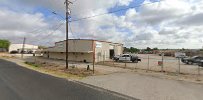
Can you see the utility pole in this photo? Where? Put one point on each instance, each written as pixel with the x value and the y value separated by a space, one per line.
pixel 162 65
pixel 94 46
pixel 178 65
pixel 23 48
pixel 148 64
pixel 67 2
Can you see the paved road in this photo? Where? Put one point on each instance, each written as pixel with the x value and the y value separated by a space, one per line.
pixel 18 83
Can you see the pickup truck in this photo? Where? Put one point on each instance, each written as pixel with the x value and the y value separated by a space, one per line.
pixel 127 57
pixel 195 59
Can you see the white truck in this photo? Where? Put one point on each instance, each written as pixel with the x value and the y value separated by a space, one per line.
pixel 127 57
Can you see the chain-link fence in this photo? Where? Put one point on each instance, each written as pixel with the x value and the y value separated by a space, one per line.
pixel 151 62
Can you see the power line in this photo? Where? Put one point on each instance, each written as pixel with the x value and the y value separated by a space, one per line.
pixel 40 37
pixel 55 13
pixel 113 11
pixel 49 41
pixel 74 1
pixel 38 33
pixel 70 27
pixel 49 34
pixel 104 13
pixel 99 15
pixel 93 9
pixel 37 29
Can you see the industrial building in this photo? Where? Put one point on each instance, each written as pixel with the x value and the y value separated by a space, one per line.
pixel 84 50
pixel 18 48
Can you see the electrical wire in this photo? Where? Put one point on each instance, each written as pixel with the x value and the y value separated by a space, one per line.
pixel 74 1
pixel 84 18
pixel 38 34
pixel 103 13
pixel 70 27
pixel 97 15
pixel 49 34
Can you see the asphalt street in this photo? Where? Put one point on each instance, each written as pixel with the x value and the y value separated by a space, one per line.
pixel 18 83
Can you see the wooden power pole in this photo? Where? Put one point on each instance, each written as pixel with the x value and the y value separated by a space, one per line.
pixel 67 2
pixel 23 48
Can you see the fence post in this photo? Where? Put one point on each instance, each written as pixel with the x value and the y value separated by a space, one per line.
pixel 178 65
pixel 162 65
pixel 148 64
pixel 198 70
pixel 198 75
pixel 103 59
pixel 125 63
pixel 35 60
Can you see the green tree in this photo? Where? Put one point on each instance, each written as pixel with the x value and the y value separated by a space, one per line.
pixel 4 44
pixel 148 49
pixel 131 50
pixel 155 48
pixel 42 47
pixel 126 49
pixel 183 49
pixel 134 50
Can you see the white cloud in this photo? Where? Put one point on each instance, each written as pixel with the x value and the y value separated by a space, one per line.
pixel 177 23
pixel 192 20
pixel 16 25
pixel 20 21
pixel 170 23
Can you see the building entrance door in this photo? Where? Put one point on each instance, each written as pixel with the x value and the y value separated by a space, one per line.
pixel 112 53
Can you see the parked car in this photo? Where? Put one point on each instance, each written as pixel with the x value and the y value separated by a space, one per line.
pixel 116 58
pixel 14 52
pixel 181 56
pixel 29 52
pixel 127 57
pixel 195 59
pixel 200 63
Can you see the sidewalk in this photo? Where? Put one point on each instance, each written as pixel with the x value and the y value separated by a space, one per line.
pixel 147 87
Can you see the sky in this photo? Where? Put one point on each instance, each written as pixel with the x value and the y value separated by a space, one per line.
pixel 164 24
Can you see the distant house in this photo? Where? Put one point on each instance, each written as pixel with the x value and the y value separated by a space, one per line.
pixel 85 50
pixel 18 48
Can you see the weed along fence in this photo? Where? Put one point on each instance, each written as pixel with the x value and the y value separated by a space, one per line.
pixel 158 63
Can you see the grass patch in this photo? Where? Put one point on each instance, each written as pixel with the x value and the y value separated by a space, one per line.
pixel 32 64
pixel 79 72
pixel 59 71
pixel 172 73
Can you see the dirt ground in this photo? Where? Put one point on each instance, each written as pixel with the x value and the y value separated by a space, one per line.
pixel 99 69
pixel 145 87
pixel 135 82
pixel 188 72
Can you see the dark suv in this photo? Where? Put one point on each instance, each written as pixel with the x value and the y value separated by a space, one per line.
pixel 195 59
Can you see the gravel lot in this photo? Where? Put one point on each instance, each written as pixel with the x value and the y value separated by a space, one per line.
pixel 100 69
pixel 146 87
pixel 171 64
pixel 136 83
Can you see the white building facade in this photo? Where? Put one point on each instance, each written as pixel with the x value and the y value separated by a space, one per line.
pixel 84 50
pixel 18 47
